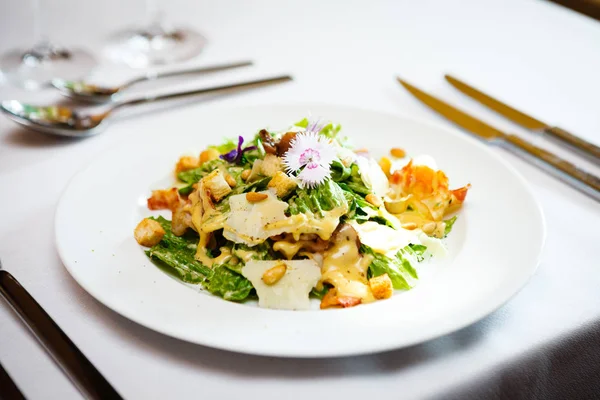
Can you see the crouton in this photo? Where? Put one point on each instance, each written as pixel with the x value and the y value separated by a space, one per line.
pixel 381 286
pixel 148 232
pixel 282 184
pixel 216 185
pixel 331 299
pixel 271 165
pixel 186 163
pixel 209 155
pixel 164 199
pixel 182 218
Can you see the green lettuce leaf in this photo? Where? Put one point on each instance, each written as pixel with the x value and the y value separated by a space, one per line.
pixel 226 146
pixel 257 185
pixel 340 173
pixel 228 284
pixel 303 123
pixel 449 224
pixel 320 293
pixel 261 252
pixel 331 130
pixel 350 177
pixel 418 250
pixel 194 175
pixel 399 269
pixel 176 255
pixel 324 197
pixel 358 207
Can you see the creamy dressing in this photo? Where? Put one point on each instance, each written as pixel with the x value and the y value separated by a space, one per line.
pixel 288 249
pixel 253 223
pixel 203 210
pixel 308 224
pixel 345 268
pixel 245 255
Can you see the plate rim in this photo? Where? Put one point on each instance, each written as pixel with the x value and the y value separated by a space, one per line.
pixel 372 348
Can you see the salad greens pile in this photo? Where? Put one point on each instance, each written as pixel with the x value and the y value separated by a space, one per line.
pixel 345 188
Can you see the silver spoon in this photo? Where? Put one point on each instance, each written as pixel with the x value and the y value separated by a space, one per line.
pixel 66 121
pixel 82 91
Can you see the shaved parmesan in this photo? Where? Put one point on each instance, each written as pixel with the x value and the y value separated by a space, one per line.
pixel 373 176
pixel 247 221
pixel 383 239
pixel 291 291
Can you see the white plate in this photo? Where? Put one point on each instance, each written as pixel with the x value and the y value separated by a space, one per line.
pixel 494 247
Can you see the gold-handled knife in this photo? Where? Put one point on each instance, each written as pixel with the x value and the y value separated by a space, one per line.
pixel 562 169
pixel 584 147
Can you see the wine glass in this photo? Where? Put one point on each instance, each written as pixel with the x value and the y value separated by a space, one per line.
pixel 155 44
pixel 35 67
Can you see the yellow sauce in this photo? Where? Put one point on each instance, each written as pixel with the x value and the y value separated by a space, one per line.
pixel 305 224
pixel 207 219
pixel 288 249
pixel 345 268
pixel 245 255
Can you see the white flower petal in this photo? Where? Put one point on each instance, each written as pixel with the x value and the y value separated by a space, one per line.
pixel 311 177
pixel 307 150
pixel 291 159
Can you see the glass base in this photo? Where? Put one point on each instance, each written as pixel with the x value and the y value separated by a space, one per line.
pixel 154 46
pixel 36 67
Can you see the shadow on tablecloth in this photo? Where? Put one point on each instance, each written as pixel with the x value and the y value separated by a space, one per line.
pixel 568 369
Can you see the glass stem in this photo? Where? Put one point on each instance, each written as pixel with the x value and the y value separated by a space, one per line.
pixel 155 16
pixel 40 39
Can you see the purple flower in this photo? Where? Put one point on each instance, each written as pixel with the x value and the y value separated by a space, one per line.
pixel 235 155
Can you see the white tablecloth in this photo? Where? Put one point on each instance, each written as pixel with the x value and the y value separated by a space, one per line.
pixel 536 55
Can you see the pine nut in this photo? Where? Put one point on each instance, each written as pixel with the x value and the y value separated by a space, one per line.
pixel 246 174
pixel 397 152
pixel 254 197
pixel 429 227
pixel 409 225
pixel 230 181
pixel 374 200
pixel 274 275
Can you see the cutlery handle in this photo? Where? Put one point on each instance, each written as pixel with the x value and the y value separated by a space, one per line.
pixel 72 361
pixel 560 168
pixel 192 71
pixel 214 89
pixel 586 148
pixel 8 388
